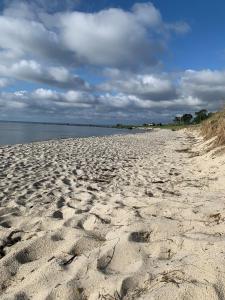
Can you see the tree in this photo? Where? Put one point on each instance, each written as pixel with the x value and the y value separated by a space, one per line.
pixel 200 116
pixel 186 118
pixel 177 119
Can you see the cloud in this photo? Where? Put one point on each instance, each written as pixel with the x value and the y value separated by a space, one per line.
pixel 68 99
pixel 49 43
pixel 30 70
pixel 111 37
pixel 164 94
pixel 132 104
pixel 207 85
pixel 145 86
pixel 47 104
pixel 140 98
pixel 115 37
pixel 4 82
pixel 24 38
pixel 13 6
pixel 147 14
pixel 83 105
pixel 10 102
pixel 102 38
pixel 179 27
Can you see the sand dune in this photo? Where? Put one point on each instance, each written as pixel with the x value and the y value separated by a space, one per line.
pixel 123 217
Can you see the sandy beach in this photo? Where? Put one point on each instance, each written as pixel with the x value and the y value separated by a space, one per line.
pixel 121 217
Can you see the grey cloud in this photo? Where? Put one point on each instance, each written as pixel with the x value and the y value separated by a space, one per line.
pixel 146 86
pixel 22 38
pixel 131 103
pixel 207 85
pixel 115 37
pixel 4 82
pixel 166 98
pixel 127 104
pixel 51 6
pixel 49 104
pixel 32 71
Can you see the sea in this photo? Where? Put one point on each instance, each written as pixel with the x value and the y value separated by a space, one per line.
pixel 21 133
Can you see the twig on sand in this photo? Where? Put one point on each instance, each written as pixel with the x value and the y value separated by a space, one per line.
pixel 69 261
pixel 105 221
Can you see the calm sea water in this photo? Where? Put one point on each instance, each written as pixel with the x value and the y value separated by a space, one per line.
pixel 20 133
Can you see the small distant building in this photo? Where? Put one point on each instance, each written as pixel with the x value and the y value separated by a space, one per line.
pixel 151 124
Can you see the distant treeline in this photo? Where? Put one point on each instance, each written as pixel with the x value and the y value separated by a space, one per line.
pixel 122 126
pixel 184 119
pixel 198 117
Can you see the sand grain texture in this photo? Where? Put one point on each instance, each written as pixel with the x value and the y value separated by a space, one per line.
pixel 124 217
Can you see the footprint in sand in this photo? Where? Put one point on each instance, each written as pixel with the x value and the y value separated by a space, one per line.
pixel 140 236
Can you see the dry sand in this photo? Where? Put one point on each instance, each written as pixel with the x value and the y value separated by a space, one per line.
pixel 124 217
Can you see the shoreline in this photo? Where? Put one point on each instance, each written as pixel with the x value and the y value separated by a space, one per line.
pixel 74 138
pixel 133 216
pixel 68 135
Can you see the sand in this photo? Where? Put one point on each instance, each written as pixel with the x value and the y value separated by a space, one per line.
pixel 124 217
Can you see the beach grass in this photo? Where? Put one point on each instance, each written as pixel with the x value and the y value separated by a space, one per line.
pixel 214 128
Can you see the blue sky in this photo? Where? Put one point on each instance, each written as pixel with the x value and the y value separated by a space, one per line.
pixel 206 18
pixel 204 46
pixel 110 61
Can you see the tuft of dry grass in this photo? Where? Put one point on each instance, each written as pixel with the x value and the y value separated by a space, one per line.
pixel 214 128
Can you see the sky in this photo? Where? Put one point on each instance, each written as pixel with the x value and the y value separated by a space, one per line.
pixel 110 61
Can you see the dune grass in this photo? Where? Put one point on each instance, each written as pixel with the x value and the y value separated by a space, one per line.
pixel 214 128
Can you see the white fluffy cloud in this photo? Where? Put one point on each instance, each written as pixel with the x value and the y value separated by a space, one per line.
pixel 146 86
pixel 111 37
pixel 45 102
pixel 24 37
pixel 207 85
pixel 30 70
pixel 115 37
pixel 71 97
